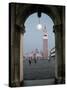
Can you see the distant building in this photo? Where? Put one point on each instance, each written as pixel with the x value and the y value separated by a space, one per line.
pixel 37 54
pixel 52 54
pixel 34 55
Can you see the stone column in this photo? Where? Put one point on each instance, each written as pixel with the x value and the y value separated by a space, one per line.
pixel 12 22
pixel 59 62
pixel 21 54
pixel 17 55
pixel 16 49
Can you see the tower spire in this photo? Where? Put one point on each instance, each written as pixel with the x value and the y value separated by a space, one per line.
pixel 44 29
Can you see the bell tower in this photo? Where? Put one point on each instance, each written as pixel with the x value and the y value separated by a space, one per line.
pixel 45 44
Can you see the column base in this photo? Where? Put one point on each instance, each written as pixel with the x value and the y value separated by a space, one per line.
pixel 13 84
pixel 21 83
pixel 16 84
pixel 59 80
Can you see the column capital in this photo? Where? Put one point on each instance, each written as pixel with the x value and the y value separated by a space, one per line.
pixel 57 27
pixel 20 29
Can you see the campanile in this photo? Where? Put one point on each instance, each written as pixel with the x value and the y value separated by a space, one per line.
pixel 45 44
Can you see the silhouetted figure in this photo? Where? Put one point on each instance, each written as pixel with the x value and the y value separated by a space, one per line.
pixel 29 61
pixel 35 60
pixel 34 57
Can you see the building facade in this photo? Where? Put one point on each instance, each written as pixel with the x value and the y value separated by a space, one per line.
pixel 52 54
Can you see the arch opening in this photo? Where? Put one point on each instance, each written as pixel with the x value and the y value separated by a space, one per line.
pixel 34 44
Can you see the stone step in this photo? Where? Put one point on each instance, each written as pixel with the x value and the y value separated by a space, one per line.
pixel 39 82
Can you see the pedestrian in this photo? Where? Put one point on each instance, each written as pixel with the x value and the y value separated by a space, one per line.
pixel 35 58
pixel 29 61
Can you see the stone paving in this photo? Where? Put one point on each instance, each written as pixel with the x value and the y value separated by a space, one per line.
pixel 42 69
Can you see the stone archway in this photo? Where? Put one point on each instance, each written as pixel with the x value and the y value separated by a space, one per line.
pixel 18 15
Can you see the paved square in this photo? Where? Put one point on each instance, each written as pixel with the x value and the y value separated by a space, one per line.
pixel 42 69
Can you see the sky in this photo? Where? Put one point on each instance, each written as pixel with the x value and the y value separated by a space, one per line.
pixel 33 37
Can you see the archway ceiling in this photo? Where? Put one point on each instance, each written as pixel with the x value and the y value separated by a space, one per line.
pixel 25 10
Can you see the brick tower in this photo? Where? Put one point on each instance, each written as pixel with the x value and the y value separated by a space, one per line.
pixel 45 44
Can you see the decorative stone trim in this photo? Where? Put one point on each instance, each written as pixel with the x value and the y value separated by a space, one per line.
pixel 20 29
